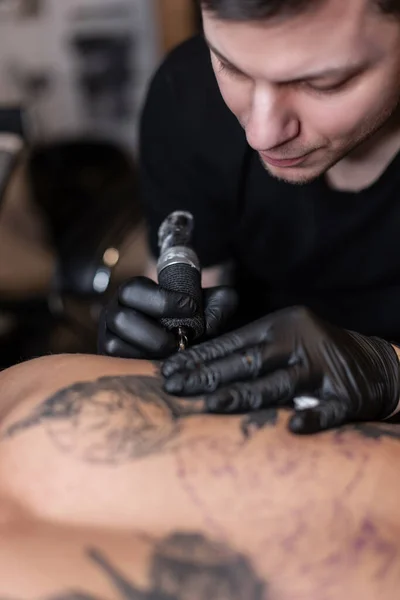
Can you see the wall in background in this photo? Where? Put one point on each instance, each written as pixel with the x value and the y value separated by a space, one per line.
pixel 177 21
pixel 79 65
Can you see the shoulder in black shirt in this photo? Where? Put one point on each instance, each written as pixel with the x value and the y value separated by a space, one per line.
pixel 192 151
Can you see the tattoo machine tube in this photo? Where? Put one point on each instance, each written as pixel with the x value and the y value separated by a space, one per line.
pixel 179 270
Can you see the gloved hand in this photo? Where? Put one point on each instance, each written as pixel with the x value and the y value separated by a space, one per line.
pixel 289 354
pixel 130 327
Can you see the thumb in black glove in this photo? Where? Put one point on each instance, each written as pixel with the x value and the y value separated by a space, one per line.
pixel 130 326
pixel 292 353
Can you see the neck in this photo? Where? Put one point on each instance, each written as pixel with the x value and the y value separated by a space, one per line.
pixel 364 165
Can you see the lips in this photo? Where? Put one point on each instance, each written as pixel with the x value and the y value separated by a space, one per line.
pixel 283 162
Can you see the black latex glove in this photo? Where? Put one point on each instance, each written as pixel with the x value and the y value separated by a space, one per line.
pixel 289 354
pixel 130 328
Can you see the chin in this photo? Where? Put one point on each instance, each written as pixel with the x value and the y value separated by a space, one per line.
pixel 312 168
pixel 295 175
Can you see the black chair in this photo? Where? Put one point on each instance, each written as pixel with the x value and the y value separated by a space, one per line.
pixel 87 191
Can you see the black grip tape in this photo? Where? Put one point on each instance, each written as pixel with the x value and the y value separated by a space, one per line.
pixel 187 280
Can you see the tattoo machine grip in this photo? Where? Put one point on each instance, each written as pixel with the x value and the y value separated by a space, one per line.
pixel 179 271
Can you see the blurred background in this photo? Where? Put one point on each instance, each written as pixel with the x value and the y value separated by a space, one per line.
pixel 73 78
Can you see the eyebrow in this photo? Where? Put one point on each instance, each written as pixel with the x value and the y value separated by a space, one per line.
pixel 347 70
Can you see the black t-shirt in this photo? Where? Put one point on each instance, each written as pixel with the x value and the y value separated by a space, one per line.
pixel 335 252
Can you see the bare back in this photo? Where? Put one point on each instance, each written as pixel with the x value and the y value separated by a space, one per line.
pixel 91 444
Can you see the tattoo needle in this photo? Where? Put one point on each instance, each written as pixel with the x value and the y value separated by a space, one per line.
pixel 182 339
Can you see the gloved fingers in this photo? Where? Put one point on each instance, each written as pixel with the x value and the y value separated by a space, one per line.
pixel 225 345
pixel 114 346
pixel 220 305
pixel 144 295
pixel 327 415
pixel 145 334
pixel 278 389
pixel 234 368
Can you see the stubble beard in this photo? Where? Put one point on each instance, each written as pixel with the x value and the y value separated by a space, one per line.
pixel 375 128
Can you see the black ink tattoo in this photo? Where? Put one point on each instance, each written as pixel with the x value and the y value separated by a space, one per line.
pixel 111 420
pixel 117 419
pixel 183 567
pixel 189 567
pixel 253 422
pixel 376 431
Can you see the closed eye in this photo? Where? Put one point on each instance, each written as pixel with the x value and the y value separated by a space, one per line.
pixel 338 86
pixel 230 70
pixel 329 89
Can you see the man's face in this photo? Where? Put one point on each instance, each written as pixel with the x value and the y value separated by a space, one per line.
pixel 310 88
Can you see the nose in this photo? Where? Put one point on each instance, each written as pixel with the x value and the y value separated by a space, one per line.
pixel 271 121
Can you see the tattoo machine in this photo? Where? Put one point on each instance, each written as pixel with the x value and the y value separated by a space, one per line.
pixel 179 270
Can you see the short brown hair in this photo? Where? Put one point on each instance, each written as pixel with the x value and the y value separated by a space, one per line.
pixel 254 10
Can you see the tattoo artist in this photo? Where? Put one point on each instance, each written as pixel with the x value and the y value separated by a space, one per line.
pixel 278 93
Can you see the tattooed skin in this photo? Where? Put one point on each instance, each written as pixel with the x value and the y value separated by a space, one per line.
pixel 110 420
pixel 117 419
pixel 183 567
pixel 376 431
pixel 255 421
